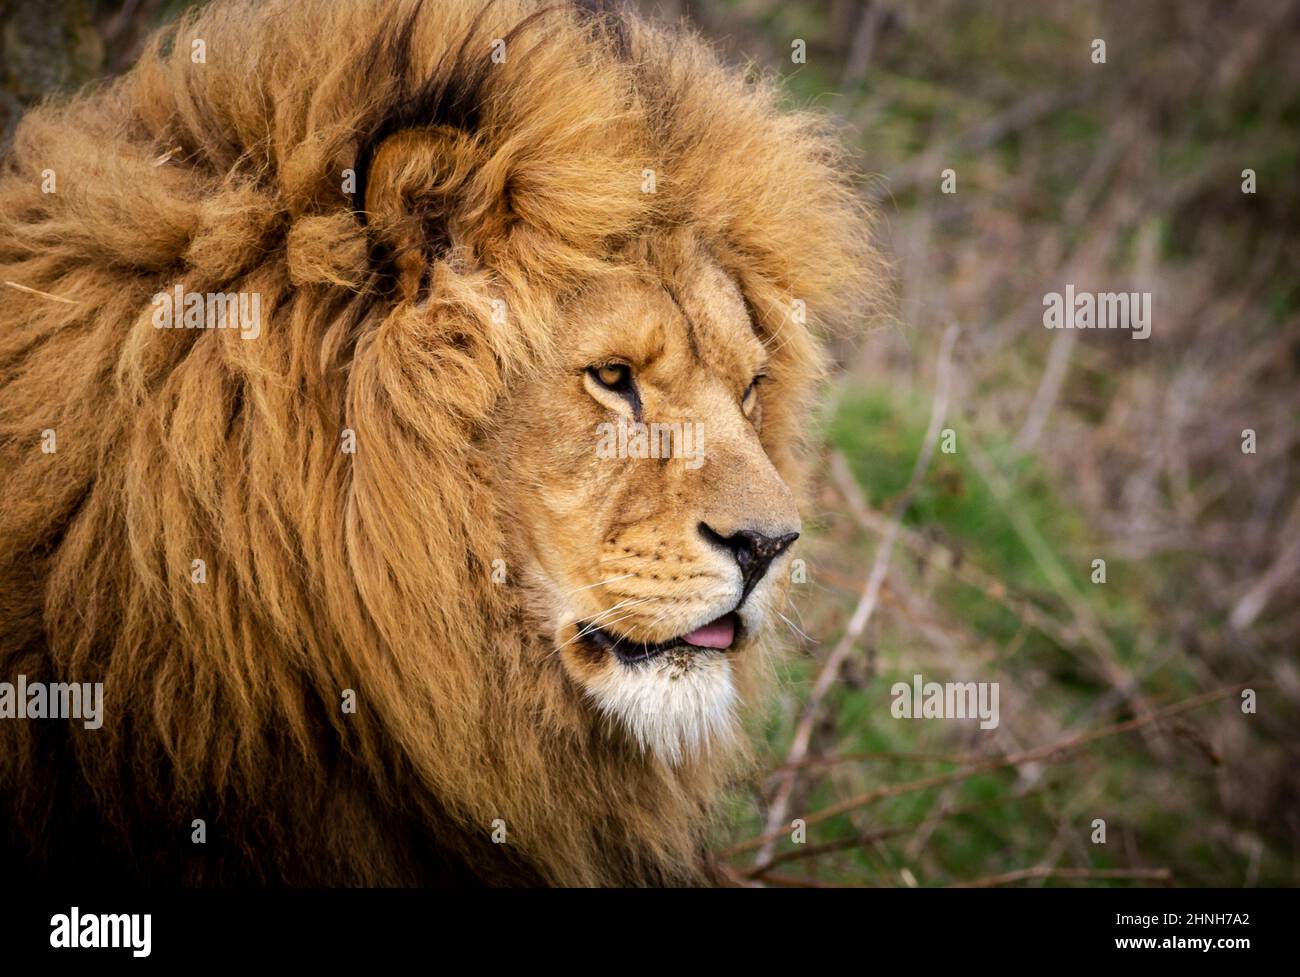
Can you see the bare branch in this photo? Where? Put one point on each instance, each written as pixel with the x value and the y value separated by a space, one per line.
pixel 1045 754
pixel 830 670
pixel 1050 872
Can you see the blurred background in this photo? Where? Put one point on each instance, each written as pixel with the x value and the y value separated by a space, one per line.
pixel 975 465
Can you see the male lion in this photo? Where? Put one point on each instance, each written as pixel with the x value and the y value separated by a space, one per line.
pixel 383 586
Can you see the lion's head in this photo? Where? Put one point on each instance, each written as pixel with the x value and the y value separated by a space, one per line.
pixel 512 464
pixel 654 525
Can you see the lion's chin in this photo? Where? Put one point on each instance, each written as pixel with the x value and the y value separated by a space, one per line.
pixel 678 707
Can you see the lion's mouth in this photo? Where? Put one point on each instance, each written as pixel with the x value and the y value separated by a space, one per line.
pixel 718 635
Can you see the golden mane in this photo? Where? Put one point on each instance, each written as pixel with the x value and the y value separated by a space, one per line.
pixel 328 570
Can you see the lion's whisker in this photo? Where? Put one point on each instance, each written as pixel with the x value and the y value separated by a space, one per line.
pixel 601 619
pixel 595 627
pixel 599 583
pixel 629 602
pixel 795 628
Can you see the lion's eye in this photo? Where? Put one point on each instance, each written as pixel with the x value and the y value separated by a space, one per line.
pixel 606 379
pixel 616 377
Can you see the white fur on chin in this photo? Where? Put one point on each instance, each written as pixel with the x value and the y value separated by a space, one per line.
pixel 677 706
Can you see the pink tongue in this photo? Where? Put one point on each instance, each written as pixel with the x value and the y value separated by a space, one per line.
pixel 716 634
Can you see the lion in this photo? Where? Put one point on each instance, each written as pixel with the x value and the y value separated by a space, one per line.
pixel 461 563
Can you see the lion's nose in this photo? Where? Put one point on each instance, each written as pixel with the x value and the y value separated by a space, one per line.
pixel 753 551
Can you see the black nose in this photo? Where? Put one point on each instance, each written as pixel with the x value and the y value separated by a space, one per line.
pixel 754 551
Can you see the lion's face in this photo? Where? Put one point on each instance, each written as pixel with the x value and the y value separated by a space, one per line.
pixel 659 529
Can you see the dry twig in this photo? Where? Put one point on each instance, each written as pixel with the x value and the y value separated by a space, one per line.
pixel 830 670
pixel 1050 872
pixel 1044 754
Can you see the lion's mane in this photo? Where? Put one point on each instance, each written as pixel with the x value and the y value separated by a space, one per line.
pixel 328 570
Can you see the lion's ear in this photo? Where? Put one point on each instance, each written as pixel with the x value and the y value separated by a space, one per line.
pixel 416 198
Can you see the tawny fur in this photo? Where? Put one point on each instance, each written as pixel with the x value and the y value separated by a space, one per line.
pixel 369 571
